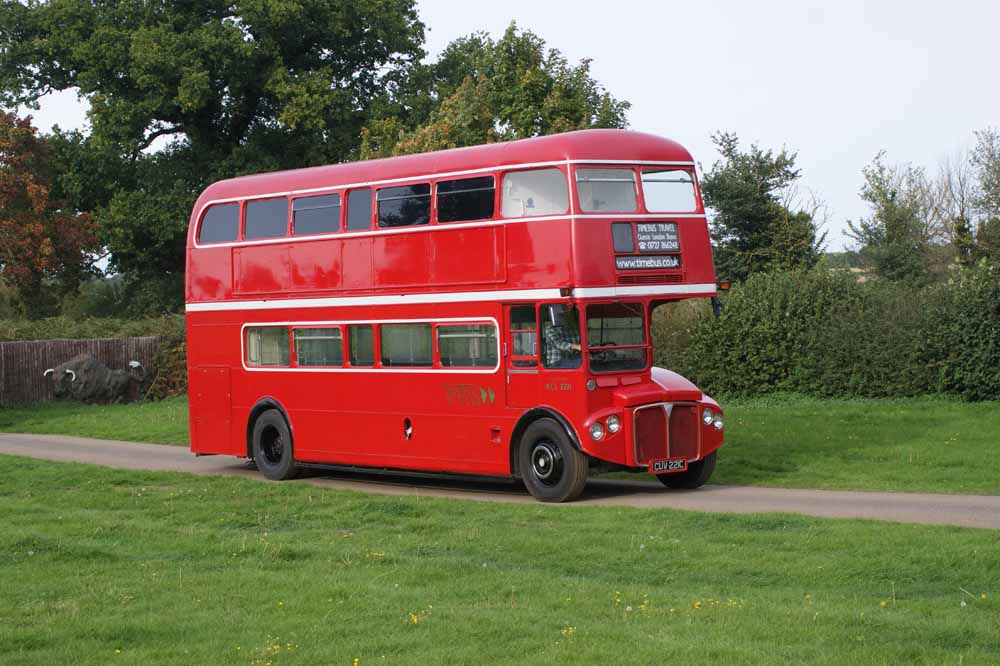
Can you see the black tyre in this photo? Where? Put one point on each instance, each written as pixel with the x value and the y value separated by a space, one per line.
pixel 550 466
pixel 697 474
pixel 272 446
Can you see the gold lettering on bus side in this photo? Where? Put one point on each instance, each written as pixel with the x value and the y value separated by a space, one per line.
pixel 469 395
pixel 556 387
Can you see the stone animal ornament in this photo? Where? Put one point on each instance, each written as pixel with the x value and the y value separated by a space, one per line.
pixel 86 379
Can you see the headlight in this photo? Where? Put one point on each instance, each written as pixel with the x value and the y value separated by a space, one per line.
pixel 717 422
pixel 596 431
pixel 707 417
pixel 614 425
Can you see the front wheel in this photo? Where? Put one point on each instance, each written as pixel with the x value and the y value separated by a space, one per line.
pixel 272 446
pixel 697 474
pixel 551 467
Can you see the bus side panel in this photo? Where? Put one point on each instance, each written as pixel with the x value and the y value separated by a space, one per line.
pixel 444 257
pixel 210 394
pixel 209 275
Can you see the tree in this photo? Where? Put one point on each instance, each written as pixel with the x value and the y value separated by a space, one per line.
pixel 895 242
pixel 484 91
pixel 231 87
pixel 985 162
pixel 754 228
pixel 44 247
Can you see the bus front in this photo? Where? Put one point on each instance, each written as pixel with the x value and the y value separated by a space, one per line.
pixel 640 240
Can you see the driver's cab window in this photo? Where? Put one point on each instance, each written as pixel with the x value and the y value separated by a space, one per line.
pixel 560 335
pixel 524 336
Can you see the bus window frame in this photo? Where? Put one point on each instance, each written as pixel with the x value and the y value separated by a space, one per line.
pixel 571 206
pixel 288 218
pixel 647 313
pixel 341 217
pixel 640 203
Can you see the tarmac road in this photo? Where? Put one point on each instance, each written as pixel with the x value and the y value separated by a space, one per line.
pixel 932 509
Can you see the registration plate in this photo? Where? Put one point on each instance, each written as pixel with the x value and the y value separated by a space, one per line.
pixel 667 466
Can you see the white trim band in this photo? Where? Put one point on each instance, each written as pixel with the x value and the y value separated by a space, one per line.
pixel 453 297
pixel 652 290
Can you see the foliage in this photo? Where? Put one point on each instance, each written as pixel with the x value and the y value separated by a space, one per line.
pixel 985 161
pixel 231 87
pixel 895 240
pixel 171 377
pixel 753 228
pixel 821 333
pixel 105 565
pixel 171 326
pixel 41 241
pixel 489 91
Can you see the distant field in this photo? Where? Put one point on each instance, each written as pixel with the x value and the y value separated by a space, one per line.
pixel 113 567
pixel 916 445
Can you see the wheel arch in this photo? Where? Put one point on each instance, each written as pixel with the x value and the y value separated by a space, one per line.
pixel 526 420
pixel 259 408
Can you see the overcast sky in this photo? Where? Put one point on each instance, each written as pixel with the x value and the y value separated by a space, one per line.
pixel 835 81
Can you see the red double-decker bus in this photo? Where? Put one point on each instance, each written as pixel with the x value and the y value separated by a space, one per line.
pixel 481 311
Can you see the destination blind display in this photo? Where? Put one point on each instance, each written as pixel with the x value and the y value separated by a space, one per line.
pixel 657 237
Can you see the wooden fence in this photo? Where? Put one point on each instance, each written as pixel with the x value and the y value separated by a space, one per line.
pixel 22 364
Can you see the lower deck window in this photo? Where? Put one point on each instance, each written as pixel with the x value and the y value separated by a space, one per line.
pixel 318 347
pixel 407 345
pixel 267 346
pixel 468 346
pixel 362 344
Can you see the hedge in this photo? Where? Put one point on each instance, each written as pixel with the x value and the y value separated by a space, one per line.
pixel 822 333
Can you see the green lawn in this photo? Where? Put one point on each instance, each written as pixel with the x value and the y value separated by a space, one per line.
pixel 924 444
pixel 164 422
pixel 113 567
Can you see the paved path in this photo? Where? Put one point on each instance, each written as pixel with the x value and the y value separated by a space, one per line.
pixel 934 509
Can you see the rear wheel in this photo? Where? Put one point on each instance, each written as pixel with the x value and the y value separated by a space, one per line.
pixel 272 446
pixel 697 474
pixel 551 467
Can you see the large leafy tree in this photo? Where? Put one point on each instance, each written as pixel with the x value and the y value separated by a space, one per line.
pixel 754 227
pixel 483 90
pixel 45 247
pixel 230 87
pixel 896 240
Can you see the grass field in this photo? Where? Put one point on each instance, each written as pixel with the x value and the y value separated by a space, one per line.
pixel 164 422
pixel 916 445
pixel 111 567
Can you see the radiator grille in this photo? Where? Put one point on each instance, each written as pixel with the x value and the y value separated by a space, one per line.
pixel 684 432
pixel 658 278
pixel 650 434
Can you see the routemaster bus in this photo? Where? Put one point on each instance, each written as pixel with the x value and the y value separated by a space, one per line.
pixel 477 311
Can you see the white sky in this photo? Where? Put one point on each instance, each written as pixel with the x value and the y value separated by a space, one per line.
pixel 835 81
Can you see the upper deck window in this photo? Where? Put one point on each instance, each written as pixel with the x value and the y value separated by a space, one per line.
pixel 535 192
pixel 359 209
pixel 316 215
pixel 404 206
pixel 606 190
pixel 220 224
pixel 669 191
pixel 266 219
pixel 466 199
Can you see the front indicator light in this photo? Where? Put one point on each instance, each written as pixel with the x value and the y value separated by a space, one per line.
pixel 591 384
pixel 707 417
pixel 614 425
pixel 717 422
pixel 596 431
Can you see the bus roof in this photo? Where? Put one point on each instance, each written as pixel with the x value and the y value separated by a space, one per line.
pixel 583 145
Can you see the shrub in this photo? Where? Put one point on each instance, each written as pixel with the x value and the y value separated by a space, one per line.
pixel 820 332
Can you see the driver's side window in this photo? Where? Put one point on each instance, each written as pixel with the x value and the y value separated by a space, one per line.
pixel 560 336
